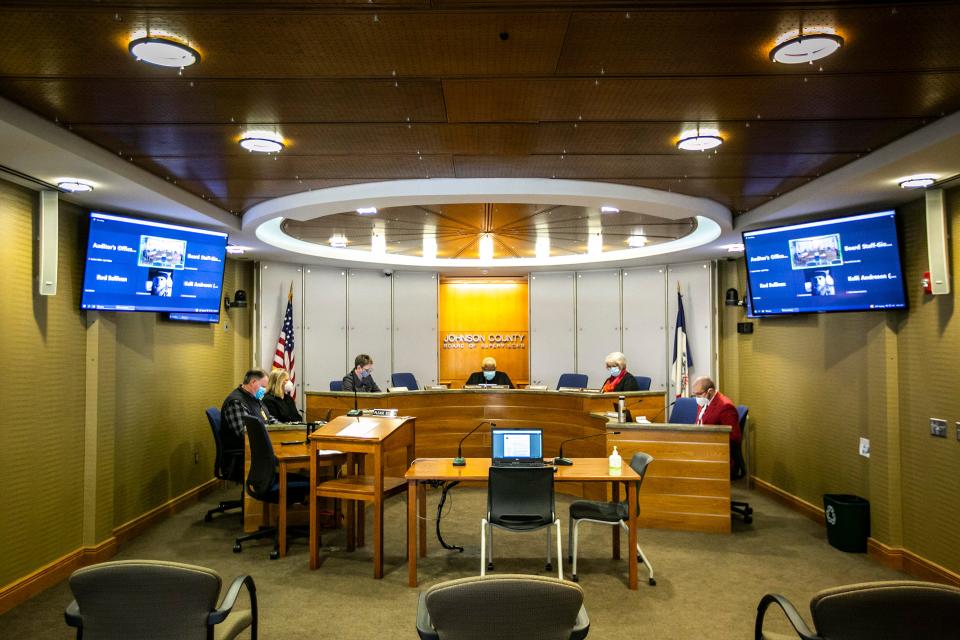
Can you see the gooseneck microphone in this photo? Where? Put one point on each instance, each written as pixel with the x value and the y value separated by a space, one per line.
pixel 460 461
pixel 560 461
pixel 663 411
pixel 356 412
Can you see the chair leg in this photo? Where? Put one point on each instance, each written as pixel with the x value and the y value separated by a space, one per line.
pixel 570 539
pixel 549 565
pixel 483 547
pixel 559 551
pixel 576 532
pixel 490 548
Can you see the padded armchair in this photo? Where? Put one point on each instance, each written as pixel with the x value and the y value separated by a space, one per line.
pixel 227 465
pixel 263 483
pixel 896 610
pixel 609 513
pixel 147 599
pixel 572 380
pixel 336 385
pixel 643 382
pixel 407 380
pixel 503 607
pixel 684 411
pixel 519 499
pixel 739 470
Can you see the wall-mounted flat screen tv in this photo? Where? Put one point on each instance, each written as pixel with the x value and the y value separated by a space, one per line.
pixel 842 264
pixel 141 265
pixel 210 318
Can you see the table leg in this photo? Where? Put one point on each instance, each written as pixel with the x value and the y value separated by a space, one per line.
pixel 413 491
pixel 361 506
pixel 632 522
pixel 616 530
pixel 314 529
pixel 351 525
pixel 282 518
pixel 378 537
pixel 422 510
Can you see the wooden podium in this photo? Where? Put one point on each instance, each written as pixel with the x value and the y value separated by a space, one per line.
pixel 366 440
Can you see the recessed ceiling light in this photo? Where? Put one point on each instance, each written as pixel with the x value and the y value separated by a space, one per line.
pixel 806 48
pixel 486 247
pixel 637 241
pixel 338 241
pixel 73 185
pixel 595 243
pixel 608 209
pixel 542 247
pixel 262 141
pixel 699 142
pixel 163 52
pixel 917 182
pixel 367 211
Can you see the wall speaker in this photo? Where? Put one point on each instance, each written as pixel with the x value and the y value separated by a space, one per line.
pixel 744 327
pixel 47 242
pixel 938 252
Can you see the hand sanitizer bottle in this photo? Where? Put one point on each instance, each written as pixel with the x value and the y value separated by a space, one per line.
pixel 616 462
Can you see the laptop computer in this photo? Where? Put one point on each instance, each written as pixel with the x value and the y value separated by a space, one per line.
pixel 517 447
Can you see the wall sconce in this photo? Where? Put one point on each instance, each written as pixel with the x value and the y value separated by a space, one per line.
pixel 239 300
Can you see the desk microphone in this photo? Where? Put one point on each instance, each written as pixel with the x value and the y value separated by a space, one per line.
pixel 460 461
pixel 356 412
pixel 663 411
pixel 566 462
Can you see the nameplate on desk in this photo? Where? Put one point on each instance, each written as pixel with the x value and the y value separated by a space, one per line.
pixel 384 413
pixel 436 387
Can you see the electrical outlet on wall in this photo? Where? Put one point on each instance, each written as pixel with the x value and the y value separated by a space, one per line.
pixel 865 447
pixel 938 427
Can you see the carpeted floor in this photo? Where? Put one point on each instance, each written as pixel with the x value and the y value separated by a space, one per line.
pixel 707 587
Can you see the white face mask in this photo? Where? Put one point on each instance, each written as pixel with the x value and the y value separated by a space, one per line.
pixel 702 401
pixel 288 387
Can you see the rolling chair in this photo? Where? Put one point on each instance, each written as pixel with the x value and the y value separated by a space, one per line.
pixel 147 599
pixel 336 385
pixel 519 499
pixel 685 411
pixel 895 610
pixel 609 513
pixel 643 382
pixel 739 470
pixel 407 380
pixel 263 483
pixel 572 380
pixel 227 465
pixel 501 608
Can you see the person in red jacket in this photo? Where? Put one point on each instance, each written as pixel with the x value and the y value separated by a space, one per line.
pixel 715 408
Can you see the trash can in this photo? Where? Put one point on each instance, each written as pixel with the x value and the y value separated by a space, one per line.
pixel 848 521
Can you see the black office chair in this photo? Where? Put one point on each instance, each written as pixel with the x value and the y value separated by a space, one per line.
pixel 609 513
pixel 407 380
pixel 336 385
pixel 263 484
pixel 227 465
pixel 685 411
pixel 739 470
pixel 572 381
pixel 519 499
pixel 643 382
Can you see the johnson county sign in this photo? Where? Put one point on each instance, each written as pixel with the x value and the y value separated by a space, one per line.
pixel 484 341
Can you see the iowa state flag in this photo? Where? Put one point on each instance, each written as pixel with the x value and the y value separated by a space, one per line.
pixel 682 358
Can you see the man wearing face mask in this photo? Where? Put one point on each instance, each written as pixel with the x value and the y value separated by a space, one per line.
pixel 488 374
pixel 245 400
pixel 279 399
pixel 715 408
pixel 361 378
pixel 620 379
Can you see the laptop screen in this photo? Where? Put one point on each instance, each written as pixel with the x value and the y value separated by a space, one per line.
pixel 517 444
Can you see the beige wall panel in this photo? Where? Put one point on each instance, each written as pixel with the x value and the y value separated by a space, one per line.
pixel 42 509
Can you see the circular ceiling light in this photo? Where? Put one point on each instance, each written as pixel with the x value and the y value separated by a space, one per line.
pixel 917 182
pixel 163 52
pixel 262 142
pixel 73 185
pixel 699 142
pixel 806 48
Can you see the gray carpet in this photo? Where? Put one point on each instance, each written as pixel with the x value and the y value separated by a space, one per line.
pixel 708 585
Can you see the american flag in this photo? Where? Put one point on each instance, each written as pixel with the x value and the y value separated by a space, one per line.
pixel 283 357
pixel 682 358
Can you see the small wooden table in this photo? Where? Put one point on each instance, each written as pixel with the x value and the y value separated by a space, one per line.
pixel 366 440
pixel 476 469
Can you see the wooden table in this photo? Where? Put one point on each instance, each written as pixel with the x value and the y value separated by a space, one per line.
pixel 366 440
pixel 589 470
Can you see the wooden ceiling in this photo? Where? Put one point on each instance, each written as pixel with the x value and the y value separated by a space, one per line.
pixel 369 91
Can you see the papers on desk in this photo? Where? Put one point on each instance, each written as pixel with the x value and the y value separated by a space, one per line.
pixel 328 452
pixel 358 429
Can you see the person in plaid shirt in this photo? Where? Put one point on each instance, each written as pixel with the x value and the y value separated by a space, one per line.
pixel 245 400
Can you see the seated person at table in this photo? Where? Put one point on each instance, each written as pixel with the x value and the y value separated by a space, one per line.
pixel 279 399
pixel 620 379
pixel 361 378
pixel 488 374
pixel 715 408
pixel 245 400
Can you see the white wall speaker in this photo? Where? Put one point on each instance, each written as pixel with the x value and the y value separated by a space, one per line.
pixel 938 251
pixel 47 242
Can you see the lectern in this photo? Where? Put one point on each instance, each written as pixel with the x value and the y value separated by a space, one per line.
pixel 366 440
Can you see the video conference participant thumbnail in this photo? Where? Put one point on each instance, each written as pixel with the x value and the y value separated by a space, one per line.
pixel 488 374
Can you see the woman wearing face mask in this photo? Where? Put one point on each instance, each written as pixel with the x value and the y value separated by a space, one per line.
pixel 279 397
pixel 620 379
pixel 488 374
